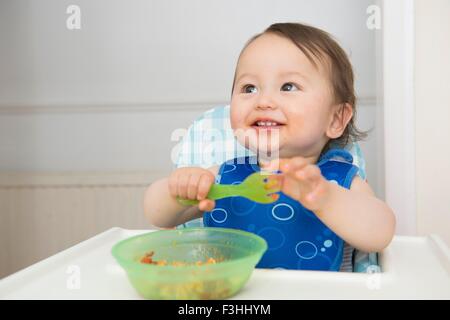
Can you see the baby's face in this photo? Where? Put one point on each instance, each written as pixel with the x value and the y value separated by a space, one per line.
pixel 277 83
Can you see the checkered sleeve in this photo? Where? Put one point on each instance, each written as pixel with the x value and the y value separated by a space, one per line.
pixel 358 160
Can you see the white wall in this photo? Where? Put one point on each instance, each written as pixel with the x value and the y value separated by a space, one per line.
pixel 143 51
pixel 432 94
pixel 86 116
pixel 107 97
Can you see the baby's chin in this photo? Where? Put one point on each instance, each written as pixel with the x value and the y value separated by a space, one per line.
pixel 263 152
pixel 279 151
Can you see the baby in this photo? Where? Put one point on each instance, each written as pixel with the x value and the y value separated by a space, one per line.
pixel 295 83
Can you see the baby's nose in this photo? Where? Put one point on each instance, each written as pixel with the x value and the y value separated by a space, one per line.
pixel 265 101
pixel 265 106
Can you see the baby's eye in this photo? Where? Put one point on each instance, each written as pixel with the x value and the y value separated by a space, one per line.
pixel 289 87
pixel 249 88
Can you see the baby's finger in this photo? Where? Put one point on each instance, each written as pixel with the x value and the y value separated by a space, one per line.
pixel 172 184
pixel 182 185
pixel 309 176
pixel 206 205
pixel 192 188
pixel 312 173
pixel 300 175
pixel 204 186
pixel 274 164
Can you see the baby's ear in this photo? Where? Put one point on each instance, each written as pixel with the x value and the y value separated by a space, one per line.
pixel 340 116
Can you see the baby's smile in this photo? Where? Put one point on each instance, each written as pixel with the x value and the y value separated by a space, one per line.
pixel 267 123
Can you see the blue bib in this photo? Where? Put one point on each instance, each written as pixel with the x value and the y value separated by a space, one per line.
pixel 296 238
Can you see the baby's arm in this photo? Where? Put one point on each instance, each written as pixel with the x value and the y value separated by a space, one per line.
pixel 161 206
pixel 354 214
pixel 358 217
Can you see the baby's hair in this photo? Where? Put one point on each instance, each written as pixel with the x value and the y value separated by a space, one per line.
pixel 318 45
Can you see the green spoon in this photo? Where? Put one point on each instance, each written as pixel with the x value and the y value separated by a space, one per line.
pixel 257 187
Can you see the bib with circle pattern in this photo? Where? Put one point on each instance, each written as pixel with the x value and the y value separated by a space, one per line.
pixel 296 238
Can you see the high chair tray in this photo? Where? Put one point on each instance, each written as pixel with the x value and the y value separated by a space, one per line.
pixel 412 268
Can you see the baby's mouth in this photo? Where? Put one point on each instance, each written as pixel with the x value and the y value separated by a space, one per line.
pixel 267 125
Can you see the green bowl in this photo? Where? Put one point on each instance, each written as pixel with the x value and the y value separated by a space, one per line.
pixel 236 252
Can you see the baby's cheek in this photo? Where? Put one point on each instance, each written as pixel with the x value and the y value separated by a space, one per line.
pixel 304 135
pixel 234 123
pixel 235 120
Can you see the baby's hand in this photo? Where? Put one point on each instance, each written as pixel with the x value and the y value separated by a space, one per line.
pixel 301 181
pixel 192 183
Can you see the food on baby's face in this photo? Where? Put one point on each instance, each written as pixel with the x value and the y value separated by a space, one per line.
pixel 148 259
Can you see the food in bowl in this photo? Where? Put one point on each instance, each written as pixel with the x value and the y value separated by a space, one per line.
pixel 191 263
pixel 149 260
